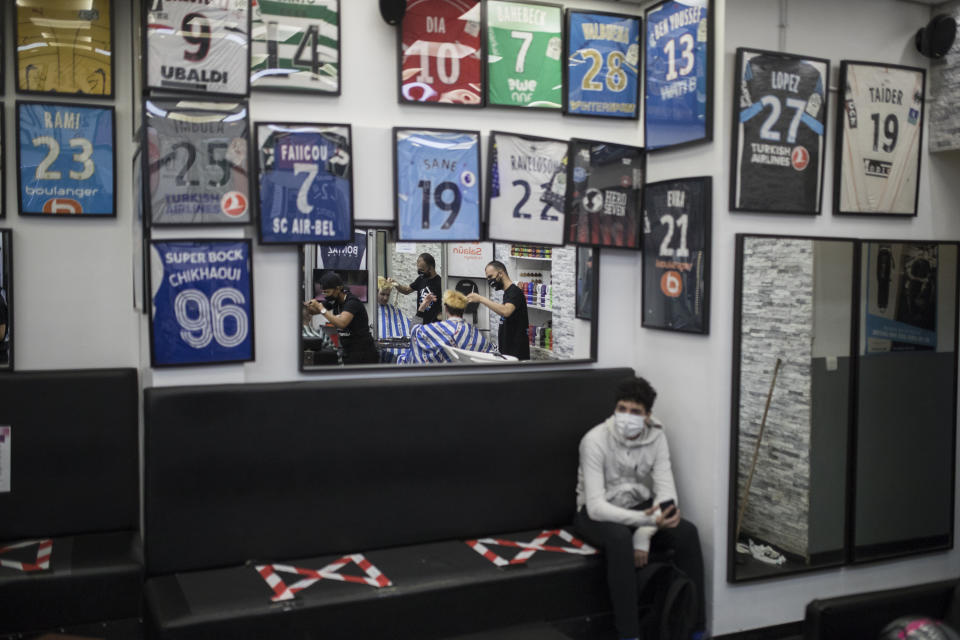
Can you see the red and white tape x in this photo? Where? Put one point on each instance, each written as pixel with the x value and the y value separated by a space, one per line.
pixel 529 548
pixel 330 572
pixel 44 551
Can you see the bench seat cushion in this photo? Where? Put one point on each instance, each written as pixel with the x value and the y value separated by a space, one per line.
pixel 87 578
pixel 437 590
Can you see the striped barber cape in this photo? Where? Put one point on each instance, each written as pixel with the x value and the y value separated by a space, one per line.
pixel 391 323
pixel 427 340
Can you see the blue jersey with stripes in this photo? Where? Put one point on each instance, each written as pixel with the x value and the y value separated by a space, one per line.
pixel 427 340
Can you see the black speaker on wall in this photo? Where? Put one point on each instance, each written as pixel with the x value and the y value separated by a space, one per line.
pixel 936 39
pixel 393 10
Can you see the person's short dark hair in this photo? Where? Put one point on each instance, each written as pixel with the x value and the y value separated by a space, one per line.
pixel 428 260
pixel 499 266
pixel 330 280
pixel 637 390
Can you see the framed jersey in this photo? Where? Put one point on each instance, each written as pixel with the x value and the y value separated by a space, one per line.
pixel 879 139
pixel 605 198
pixel 3 163
pixel 48 59
pixel 676 255
pixel 527 189
pixel 305 183
pixel 65 160
pixel 779 127
pixel 199 47
pixel 436 185
pixel 6 300
pixel 201 294
pixel 441 53
pixel 678 107
pixel 602 70
pixel 295 45
pixel 524 47
pixel 198 162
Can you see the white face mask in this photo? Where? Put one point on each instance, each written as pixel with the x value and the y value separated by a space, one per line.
pixel 629 425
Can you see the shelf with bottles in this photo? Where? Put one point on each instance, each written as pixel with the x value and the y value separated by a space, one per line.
pixel 531 252
pixel 540 337
pixel 538 296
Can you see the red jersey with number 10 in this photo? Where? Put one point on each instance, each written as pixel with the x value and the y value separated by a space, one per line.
pixel 441 52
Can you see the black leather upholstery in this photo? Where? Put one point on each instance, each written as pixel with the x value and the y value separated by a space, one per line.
pixel 75 453
pixel 402 470
pixel 277 471
pixel 865 615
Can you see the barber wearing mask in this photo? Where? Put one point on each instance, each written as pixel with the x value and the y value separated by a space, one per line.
pixel 344 311
pixel 428 283
pixel 514 323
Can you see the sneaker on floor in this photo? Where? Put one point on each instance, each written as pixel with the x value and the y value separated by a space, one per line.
pixel 766 554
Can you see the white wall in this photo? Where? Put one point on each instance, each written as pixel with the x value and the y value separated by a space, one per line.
pixel 73 276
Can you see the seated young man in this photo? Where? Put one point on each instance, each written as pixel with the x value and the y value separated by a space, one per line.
pixel 624 478
pixel 427 340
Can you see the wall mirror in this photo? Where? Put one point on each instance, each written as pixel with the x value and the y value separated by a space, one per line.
pixel 844 377
pixel 552 281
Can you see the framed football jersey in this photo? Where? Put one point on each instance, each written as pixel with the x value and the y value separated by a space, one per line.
pixel 778 132
pixel 678 106
pixel 305 182
pixel 605 197
pixel 65 159
pixel 202 47
pixel 296 46
pixel 527 189
pixel 441 53
pixel 879 139
pixel 6 300
pixel 3 162
pixel 48 59
pixel 524 50
pixel 201 294
pixel 437 185
pixel 676 255
pixel 602 69
pixel 198 162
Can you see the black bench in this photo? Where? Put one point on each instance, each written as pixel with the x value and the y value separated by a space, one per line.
pixel 69 547
pixel 403 471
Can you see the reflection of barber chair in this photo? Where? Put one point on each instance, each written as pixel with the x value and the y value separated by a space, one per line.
pixel 466 287
pixel 475 357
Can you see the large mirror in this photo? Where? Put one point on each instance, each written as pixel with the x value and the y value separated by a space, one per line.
pixel 430 303
pixel 906 402
pixel 792 404
pixel 6 300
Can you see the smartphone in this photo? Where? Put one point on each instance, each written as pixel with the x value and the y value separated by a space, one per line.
pixel 666 504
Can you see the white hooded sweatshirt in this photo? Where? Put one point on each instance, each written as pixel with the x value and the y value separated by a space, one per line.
pixel 616 474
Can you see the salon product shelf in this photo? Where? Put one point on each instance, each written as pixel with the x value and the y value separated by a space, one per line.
pixel 547 309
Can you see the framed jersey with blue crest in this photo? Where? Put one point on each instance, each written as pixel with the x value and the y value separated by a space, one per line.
pixel 779 127
pixel 602 70
pixel 678 107
pixel 437 185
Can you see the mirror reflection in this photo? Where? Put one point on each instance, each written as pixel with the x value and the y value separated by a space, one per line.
pixel 906 399
pixel 400 304
pixel 792 404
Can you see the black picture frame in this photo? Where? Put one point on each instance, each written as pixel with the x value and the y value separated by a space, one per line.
pixel 400 234
pixel 708 113
pixel 192 103
pixel 55 93
pixel 151 89
pixel 592 275
pixel 733 496
pixel 256 187
pixel 6 287
pixel 113 161
pixel 305 90
pixel 148 246
pixel 491 158
pixel 137 68
pixel 401 99
pixel 567 20
pixel 594 220
pixel 778 183
pixel 876 167
pixel 3 160
pixel 651 256
pixel 486 57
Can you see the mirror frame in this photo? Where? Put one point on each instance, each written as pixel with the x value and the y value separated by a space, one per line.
pixel 6 240
pixel 447 367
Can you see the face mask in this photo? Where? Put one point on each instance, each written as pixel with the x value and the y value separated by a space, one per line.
pixel 421 272
pixel 629 425
pixel 496 284
pixel 331 299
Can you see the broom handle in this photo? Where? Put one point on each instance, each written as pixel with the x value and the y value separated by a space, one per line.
pixel 756 452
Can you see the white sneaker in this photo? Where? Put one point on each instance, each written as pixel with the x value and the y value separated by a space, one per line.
pixel 766 554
